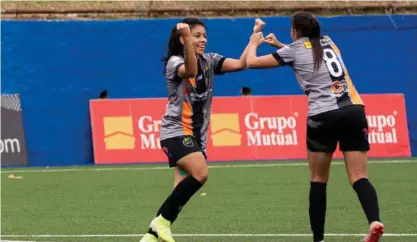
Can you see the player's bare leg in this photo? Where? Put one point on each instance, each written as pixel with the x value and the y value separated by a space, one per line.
pixel 356 166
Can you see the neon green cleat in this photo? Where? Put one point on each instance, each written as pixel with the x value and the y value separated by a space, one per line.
pixel 149 238
pixel 163 228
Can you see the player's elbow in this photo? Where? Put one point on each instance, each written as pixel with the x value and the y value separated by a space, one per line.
pixel 241 66
pixel 190 73
pixel 237 68
pixel 251 63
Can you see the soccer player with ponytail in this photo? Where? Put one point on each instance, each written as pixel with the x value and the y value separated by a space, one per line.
pixel 190 74
pixel 336 115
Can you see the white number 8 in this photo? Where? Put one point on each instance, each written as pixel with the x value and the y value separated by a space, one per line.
pixel 329 62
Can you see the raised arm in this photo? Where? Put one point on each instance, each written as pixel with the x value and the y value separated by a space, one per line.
pixel 262 62
pixel 189 68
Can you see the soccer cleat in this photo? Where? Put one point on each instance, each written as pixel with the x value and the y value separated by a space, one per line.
pixel 163 228
pixel 149 238
pixel 376 230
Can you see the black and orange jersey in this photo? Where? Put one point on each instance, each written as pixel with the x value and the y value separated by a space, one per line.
pixel 189 108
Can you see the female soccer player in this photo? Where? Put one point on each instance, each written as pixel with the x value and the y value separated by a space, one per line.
pixel 336 114
pixel 189 73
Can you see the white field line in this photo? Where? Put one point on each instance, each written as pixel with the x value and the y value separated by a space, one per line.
pixel 18 241
pixel 21 241
pixel 199 235
pixel 277 164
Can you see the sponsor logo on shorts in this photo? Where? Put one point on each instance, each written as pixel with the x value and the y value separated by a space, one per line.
pixel 187 142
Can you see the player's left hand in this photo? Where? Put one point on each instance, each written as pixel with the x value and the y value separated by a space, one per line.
pixel 257 38
pixel 259 25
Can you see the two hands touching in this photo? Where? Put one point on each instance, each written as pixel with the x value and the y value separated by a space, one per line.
pixel 248 59
pixel 257 37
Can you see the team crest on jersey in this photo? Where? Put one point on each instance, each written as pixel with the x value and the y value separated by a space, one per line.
pixel 339 87
pixel 307 44
pixel 187 142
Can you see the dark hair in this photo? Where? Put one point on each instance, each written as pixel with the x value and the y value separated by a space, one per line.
pixel 103 94
pixel 307 25
pixel 246 91
pixel 174 45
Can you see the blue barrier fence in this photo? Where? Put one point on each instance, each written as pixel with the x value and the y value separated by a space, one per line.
pixel 58 66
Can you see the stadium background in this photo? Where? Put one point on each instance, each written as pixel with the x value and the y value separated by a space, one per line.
pixel 58 66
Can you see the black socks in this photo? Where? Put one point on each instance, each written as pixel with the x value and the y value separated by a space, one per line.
pixel 368 198
pixel 178 198
pixel 317 209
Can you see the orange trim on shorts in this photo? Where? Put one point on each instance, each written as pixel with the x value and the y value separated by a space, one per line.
pixel 353 94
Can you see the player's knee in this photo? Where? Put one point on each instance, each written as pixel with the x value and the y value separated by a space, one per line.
pixel 201 175
pixel 320 178
pixel 356 176
pixel 319 175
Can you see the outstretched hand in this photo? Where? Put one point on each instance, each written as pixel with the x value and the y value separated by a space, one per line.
pixel 272 40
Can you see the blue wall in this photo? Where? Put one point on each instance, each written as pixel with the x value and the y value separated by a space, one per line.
pixel 57 66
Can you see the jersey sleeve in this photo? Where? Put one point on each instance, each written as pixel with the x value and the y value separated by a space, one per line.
pixel 217 63
pixel 172 67
pixel 285 55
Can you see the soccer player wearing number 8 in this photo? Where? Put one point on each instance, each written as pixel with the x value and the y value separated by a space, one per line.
pixel 336 115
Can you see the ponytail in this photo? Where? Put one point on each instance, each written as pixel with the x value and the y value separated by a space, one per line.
pixel 307 26
pixel 315 43
pixel 174 46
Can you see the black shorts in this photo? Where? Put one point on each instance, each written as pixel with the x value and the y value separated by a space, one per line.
pixel 178 147
pixel 347 125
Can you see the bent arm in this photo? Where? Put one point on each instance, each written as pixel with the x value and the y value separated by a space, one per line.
pixel 262 62
pixel 189 68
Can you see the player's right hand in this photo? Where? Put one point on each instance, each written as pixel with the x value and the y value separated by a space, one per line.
pixel 272 40
pixel 259 25
pixel 184 30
